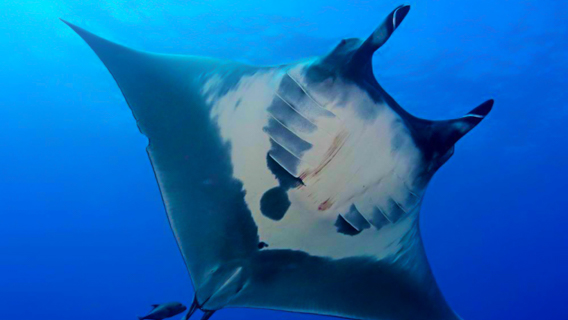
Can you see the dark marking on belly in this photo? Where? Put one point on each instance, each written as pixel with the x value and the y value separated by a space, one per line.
pixel 352 222
pixel 356 219
pixel 285 179
pixel 344 227
pixel 262 245
pixel 286 138
pixel 274 203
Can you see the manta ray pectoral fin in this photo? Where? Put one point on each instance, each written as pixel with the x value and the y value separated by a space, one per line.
pixel 379 37
pixel 205 205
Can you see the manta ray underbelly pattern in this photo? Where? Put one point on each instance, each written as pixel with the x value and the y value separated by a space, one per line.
pixel 296 187
pixel 320 174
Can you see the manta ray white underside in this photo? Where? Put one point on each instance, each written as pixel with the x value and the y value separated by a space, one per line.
pixel 296 187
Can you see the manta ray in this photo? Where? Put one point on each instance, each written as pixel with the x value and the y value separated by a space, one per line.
pixel 294 187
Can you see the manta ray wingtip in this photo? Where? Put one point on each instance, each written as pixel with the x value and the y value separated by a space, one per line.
pixel 104 48
pixel 483 109
pixel 194 306
pixel 72 26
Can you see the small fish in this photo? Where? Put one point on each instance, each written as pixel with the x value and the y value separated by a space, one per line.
pixel 164 310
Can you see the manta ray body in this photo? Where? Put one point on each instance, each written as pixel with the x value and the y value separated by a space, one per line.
pixel 295 187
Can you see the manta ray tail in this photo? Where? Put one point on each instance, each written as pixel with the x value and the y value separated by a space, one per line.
pixel 192 309
pixel 207 315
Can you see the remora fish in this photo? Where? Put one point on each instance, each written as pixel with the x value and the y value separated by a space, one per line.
pixel 164 310
pixel 296 187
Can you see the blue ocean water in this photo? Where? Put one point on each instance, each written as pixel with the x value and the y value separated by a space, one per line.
pixel 83 234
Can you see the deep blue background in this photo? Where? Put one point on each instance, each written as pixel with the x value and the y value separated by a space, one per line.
pixel 83 234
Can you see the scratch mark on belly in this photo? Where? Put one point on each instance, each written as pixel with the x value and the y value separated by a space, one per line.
pixel 325 205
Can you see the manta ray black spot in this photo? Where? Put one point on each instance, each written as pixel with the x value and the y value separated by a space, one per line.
pixel 262 245
pixel 274 203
